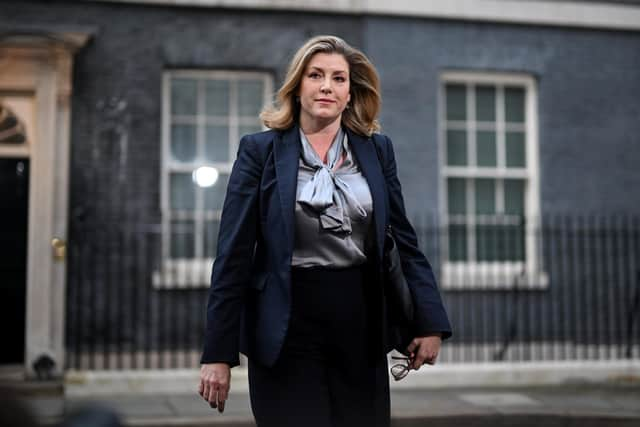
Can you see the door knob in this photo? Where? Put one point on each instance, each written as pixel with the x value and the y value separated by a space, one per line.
pixel 59 249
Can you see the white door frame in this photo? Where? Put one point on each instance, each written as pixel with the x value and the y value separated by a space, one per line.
pixel 40 67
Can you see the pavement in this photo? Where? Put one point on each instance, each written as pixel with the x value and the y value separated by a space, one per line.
pixel 583 405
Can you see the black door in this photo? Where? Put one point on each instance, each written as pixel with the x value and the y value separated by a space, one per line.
pixel 14 202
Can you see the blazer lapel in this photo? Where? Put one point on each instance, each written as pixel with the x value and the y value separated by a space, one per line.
pixel 287 155
pixel 365 153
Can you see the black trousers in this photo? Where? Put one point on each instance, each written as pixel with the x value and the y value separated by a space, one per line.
pixel 326 375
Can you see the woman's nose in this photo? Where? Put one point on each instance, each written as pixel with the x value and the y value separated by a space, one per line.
pixel 326 86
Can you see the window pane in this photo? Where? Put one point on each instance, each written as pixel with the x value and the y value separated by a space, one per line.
pixel 485 196
pixel 515 241
pixel 211 229
pixel 456 102
pixel 500 242
pixel 250 97
pixel 515 151
pixel 457 196
pixel 217 143
pixel 487 242
pixel 514 196
pixel 486 148
pixel 12 130
pixel 217 97
pixel 456 148
pixel 514 104
pixel 182 189
pixel 184 97
pixel 457 243
pixel 485 103
pixel 183 142
pixel 247 129
pixel 182 242
pixel 510 240
pixel 214 195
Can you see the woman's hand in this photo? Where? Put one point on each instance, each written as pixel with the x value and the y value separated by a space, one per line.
pixel 424 350
pixel 215 379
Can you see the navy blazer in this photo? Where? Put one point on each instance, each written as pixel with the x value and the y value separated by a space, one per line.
pixel 250 295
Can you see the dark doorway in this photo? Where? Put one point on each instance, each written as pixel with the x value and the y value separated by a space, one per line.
pixel 14 205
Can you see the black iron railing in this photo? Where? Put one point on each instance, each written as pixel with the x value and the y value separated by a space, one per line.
pixel 569 291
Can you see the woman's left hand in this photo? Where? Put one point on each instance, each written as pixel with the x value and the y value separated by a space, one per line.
pixel 424 350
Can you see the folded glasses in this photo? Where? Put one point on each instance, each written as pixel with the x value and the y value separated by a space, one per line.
pixel 401 370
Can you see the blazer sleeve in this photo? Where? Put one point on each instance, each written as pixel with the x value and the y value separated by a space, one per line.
pixel 234 256
pixel 430 313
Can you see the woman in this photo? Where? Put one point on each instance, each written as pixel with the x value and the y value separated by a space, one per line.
pixel 295 285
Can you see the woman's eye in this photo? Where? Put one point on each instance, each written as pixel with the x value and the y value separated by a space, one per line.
pixel 314 75
pixel 340 79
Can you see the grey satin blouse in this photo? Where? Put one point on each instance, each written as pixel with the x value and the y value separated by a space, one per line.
pixel 333 212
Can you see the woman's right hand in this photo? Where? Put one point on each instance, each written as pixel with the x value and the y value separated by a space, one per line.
pixel 215 380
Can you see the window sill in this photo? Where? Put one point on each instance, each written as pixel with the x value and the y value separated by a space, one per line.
pixel 196 273
pixel 492 276
pixel 183 274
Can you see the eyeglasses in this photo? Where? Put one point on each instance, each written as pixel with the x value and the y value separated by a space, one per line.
pixel 401 370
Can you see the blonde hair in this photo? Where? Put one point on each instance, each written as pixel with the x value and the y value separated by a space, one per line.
pixel 362 115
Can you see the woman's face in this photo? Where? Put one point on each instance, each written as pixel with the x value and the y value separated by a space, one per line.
pixel 324 89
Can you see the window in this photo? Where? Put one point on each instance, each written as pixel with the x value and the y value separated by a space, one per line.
pixel 17 119
pixel 205 113
pixel 489 181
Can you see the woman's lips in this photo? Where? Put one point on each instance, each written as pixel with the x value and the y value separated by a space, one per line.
pixel 326 101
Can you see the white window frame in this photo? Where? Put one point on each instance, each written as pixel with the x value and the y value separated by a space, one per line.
pixel 494 274
pixel 196 272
